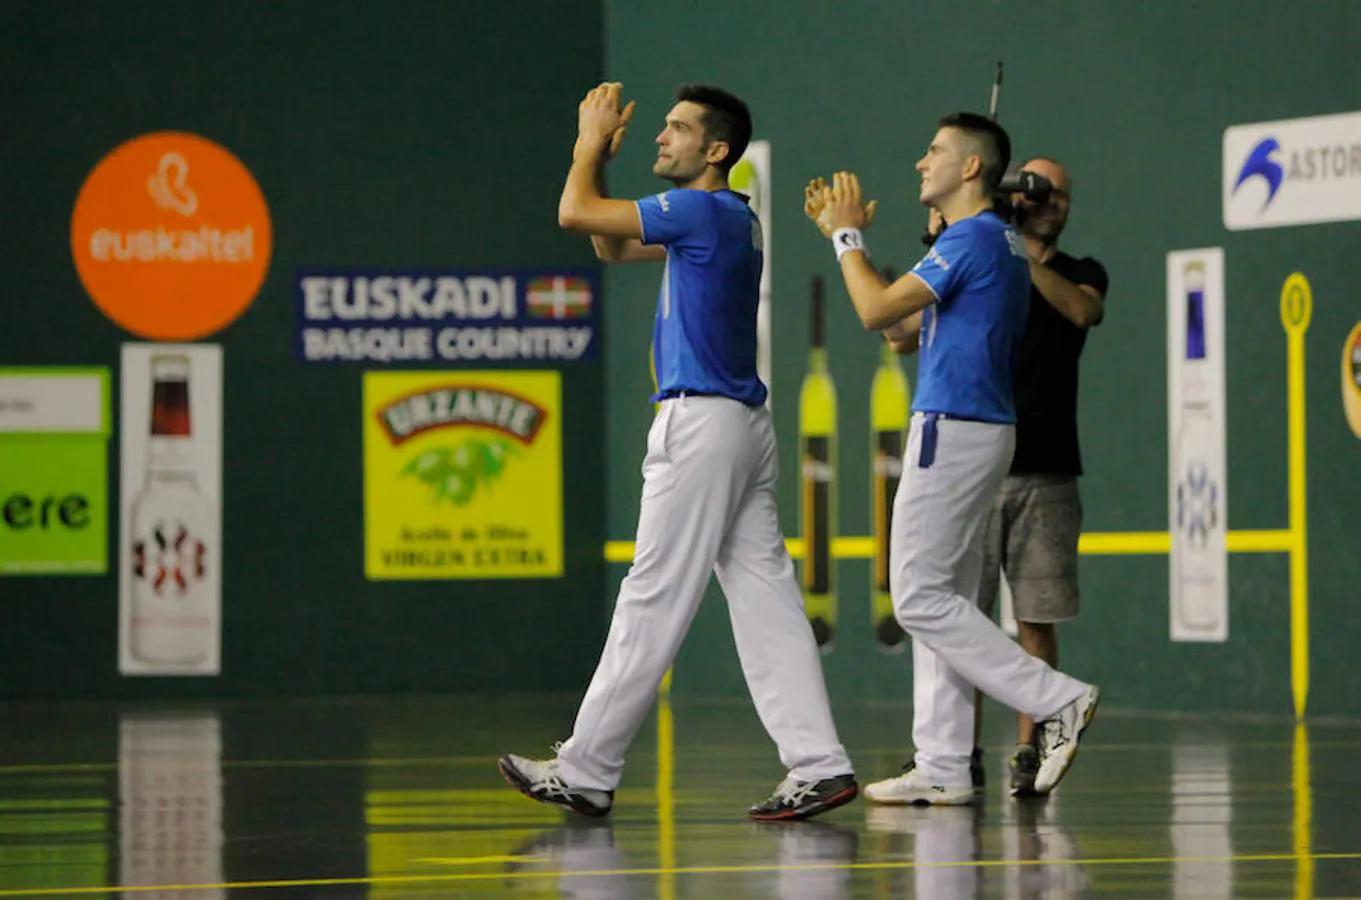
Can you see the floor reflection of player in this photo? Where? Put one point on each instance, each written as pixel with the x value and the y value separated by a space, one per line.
pixel 1202 815
pixel 1047 854
pixel 580 845
pixel 813 858
pixel 946 840
pixel 810 862
pixel 947 848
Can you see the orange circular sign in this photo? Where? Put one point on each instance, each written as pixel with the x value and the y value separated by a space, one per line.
pixel 171 236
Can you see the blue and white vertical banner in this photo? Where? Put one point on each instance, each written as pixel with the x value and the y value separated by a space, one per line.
pixel 1197 489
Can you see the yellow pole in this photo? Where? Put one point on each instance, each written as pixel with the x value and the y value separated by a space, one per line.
pixel 1297 303
pixel 1303 819
pixel 666 800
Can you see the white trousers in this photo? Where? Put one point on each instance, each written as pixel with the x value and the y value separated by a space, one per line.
pixel 708 506
pixel 952 470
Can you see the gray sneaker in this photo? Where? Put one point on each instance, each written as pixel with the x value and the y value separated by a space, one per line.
pixel 539 779
pixel 1059 736
pixel 805 799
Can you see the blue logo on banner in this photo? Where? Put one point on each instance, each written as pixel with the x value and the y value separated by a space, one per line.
pixel 1259 164
pixel 446 316
pixel 1197 504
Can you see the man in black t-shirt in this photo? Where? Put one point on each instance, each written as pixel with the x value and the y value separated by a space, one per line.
pixel 1032 533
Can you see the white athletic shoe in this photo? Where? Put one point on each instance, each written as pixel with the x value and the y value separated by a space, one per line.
pixel 1059 736
pixel 912 789
pixel 539 779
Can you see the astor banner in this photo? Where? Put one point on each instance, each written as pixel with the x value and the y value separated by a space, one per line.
pixel 1292 172
pixel 476 316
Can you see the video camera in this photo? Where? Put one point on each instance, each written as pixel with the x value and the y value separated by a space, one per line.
pixel 1034 188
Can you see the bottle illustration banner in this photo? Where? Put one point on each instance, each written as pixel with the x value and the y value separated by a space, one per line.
pixel 1197 490
pixel 462 475
pixel 170 534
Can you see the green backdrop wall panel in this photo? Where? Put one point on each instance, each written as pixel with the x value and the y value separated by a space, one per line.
pixel 1135 100
pixel 421 134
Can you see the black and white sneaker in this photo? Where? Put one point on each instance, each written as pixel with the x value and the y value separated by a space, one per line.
pixel 805 799
pixel 539 779
pixel 1059 736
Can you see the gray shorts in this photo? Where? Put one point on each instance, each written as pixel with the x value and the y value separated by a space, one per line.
pixel 1032 535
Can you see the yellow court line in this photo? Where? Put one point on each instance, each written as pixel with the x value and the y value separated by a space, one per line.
pixel 1279 541
pixel 529 875
pixel 467 860
pixel 1109 543
pixel 1124 543
pixel 78 768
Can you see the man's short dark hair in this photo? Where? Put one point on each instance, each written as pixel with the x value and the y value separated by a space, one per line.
pixel 725 118
pixel 994 145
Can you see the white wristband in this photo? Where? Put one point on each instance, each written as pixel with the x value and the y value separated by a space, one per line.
pixel 847 239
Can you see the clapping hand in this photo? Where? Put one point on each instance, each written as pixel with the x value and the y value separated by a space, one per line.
pixel 837 206
pixel 601 121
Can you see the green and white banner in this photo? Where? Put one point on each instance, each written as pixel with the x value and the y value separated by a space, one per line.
pixel 54 471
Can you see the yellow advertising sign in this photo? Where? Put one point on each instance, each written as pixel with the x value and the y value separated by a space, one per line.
pixel 462 475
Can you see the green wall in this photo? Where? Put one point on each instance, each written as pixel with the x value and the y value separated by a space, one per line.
pixel 1134 98
pixel 418 134
pixel 437 134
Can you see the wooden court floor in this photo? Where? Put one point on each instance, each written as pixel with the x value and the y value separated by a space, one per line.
pixel 400 798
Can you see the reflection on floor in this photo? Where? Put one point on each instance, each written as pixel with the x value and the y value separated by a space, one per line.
pixel 399 798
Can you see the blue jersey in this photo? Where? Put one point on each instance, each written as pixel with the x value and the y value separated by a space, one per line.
pixel 704 338
pixel 970 336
